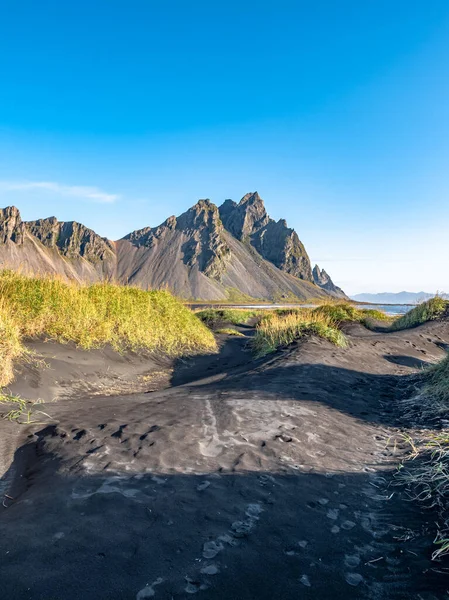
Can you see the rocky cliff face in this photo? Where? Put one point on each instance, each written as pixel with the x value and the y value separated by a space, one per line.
pixel 203 245
pixel 12 229
pixel 249 222
pixel 206 253
pixel 322 279
pixel 72 239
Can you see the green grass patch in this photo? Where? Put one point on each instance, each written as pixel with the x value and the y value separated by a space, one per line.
pixel 432 401
pixel 230 331
pixel 431 310
pixel 437 385
pixel 275 330
pixel 93 316
pixel 19 410
pixel 343 312
pixel 216 317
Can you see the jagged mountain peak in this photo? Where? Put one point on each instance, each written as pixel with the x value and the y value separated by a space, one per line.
pixel 249 222
pixel 246 217
pixel 251 198
pixel 203 213
pixel 323 280
pixel 9 211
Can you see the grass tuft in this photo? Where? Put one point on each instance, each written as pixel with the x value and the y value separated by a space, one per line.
pixel 230 331
pixel 426 475
pixel 426 478
pixel 216 317
pixel 93 316
pixel 431 310
pixel 276 330
pixel 342 312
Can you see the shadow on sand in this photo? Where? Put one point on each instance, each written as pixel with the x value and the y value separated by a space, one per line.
pixel 239 535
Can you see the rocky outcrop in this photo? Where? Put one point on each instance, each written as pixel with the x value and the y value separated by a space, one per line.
pixel 246 218
pixel 203 245
pixel 249 222
pixel 12 229
pixel 72 240
pixel 322 279
pixel 206 253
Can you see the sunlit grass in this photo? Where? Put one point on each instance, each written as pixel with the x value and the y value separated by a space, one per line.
pixel 216 317
pixel 341 312
pixel 277 330
pixel 431 310
pixel 93 316
pixel 230 331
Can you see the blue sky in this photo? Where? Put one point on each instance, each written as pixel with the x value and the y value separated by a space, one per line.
pixel 118 114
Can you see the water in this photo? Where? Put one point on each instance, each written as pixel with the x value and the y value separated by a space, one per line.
pixel 389 309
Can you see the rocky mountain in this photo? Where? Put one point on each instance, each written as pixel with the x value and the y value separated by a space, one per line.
pixel 323 280
pixel 248 222
pixel 50 246
pixel 206 253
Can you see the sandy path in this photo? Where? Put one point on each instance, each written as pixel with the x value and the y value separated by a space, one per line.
pixel 270 482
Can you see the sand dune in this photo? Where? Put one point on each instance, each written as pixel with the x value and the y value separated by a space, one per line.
pixel 242 479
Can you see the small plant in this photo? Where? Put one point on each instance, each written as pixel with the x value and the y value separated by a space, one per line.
pixel 426 478
pixel 19 409
pixel 431 310
pixel 17 406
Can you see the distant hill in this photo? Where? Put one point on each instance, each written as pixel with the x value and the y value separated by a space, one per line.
pixel 395 298
pixel 208 253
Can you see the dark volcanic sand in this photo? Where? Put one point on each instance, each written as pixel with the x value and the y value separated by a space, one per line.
pixel 263 480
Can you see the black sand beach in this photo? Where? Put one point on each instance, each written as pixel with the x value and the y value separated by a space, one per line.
pixel 221 476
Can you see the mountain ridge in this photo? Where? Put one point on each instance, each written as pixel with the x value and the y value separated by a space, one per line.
pixel 207 252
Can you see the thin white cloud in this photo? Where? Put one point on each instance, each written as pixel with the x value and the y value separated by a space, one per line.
pixel 80 191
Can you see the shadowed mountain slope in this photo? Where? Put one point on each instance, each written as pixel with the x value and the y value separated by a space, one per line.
pixel 248 222
pixel 323 280
pixel 206 253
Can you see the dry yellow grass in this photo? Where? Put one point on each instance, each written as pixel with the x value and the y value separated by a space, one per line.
pixel 275 330
pixel 93 316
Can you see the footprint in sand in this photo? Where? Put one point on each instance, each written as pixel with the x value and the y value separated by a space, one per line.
pixel 193 586
pixel 203 486
pixel 352 561
pixel 148 591
pixel 210 570
pixel 335 529
pixel 333 513
pixel 353 579
pixel 211 549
